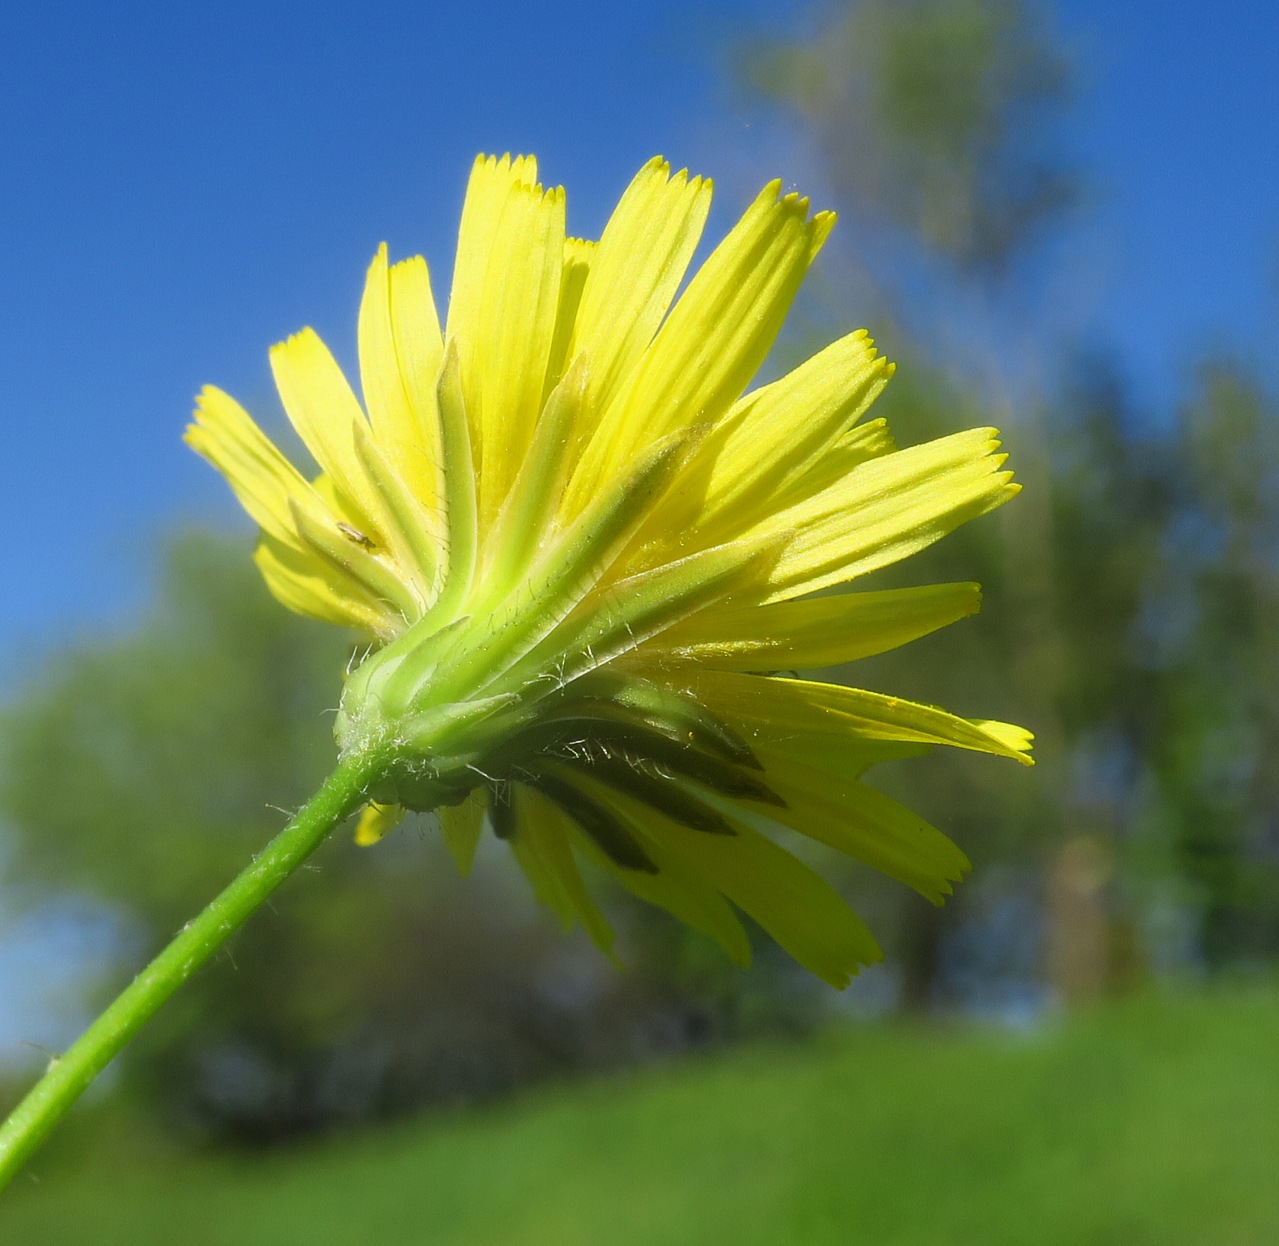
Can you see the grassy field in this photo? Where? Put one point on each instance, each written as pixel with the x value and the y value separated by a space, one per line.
pixel 1152 1122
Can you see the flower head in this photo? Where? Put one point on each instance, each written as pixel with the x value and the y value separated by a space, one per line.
pixel 575 547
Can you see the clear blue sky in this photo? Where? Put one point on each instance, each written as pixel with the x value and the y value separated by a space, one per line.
pixel 181 186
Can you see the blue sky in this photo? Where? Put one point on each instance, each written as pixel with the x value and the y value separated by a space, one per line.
pixel 184 185
pixel 1178 123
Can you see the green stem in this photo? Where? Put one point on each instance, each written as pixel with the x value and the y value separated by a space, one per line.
pixel 69 1075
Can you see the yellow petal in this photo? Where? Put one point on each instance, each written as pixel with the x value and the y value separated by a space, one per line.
pixel 419 350
pixel 502 314
pixel 325 412
pixel 527 518
pixel 379 535
pixel 377 821
pixel 813 741
pixel 578 255
pixel 617 619
pixel 353 556
pixel 378 560
pixel 641 259
pixel 1016 738
pixel 802 912
pixel 505 367
pixel 778 720
pixel 886 509
pixel 311 586
pixel 773 435
pixel 260 476
pixel 541 845
pixel 768 710
pixel 681 892
pixel 461 826
pixel 490 183
pixel 867 440
pixel 400 351
pixel 816 632
pixel 865 824
pixel 414 544
pixel 716 335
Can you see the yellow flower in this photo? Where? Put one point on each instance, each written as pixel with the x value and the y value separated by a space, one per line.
pixel 574 545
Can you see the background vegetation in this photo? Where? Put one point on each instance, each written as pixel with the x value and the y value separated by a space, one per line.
pixel 1145 1126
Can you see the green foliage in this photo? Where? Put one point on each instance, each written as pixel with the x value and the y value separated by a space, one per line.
pixel 1213 618
pixel 1153 1124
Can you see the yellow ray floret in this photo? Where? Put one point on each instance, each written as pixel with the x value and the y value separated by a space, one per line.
pixel 815 631
pixel 641 259
pixel 401 349
pixel 575 546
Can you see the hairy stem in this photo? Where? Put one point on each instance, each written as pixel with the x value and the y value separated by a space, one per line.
pixel 69 1075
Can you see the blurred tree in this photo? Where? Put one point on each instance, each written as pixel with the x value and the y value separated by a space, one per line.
pixel 1112 493
pixel 1213 619
pixel 1081 677
pixel 936 118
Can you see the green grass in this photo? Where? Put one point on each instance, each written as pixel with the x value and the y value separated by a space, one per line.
pixel 1152 1122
